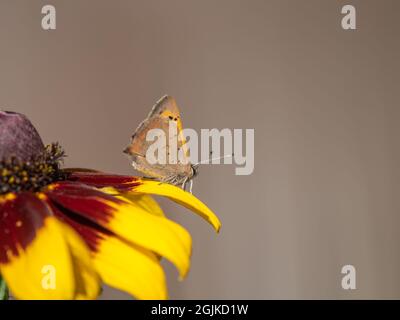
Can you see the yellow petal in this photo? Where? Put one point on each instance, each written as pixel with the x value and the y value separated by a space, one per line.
pixel 142 200
pixel 86 278
pixel 155 233
pixel 146 202
pixel 43 270
pixel 179 196
pixel 130 268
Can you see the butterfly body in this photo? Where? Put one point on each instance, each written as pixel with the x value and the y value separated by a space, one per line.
pixel 163 113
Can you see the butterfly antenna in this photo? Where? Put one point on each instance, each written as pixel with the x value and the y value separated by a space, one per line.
pixel 212 159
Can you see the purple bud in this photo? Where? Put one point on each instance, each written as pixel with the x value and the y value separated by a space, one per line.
pixel 18 137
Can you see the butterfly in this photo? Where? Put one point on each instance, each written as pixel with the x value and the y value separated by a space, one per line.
pixel 161 115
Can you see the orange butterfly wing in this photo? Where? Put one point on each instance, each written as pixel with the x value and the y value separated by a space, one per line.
pixel 164 111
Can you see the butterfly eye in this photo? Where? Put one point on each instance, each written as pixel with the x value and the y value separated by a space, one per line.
pixel 171 117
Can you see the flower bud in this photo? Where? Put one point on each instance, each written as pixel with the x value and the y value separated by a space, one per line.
pixel 18 137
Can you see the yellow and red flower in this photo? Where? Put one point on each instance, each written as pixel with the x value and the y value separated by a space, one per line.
pixel 84 226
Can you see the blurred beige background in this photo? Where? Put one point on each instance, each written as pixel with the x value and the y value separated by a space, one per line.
pixel 324 104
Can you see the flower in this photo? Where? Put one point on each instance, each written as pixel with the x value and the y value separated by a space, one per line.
pixel 63 232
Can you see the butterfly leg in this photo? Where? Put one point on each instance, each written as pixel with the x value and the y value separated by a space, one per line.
pixel 191 186
pixel 165 180
pixel 170 179
pixel 184 183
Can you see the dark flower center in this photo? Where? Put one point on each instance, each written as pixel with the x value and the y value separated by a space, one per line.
pixel 31 175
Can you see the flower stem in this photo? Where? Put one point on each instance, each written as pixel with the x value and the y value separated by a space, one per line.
pixel 3 290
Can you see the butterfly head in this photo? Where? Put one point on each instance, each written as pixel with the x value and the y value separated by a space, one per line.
pixel 194 170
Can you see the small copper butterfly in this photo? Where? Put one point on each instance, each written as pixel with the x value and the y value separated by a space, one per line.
pixel 163 112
